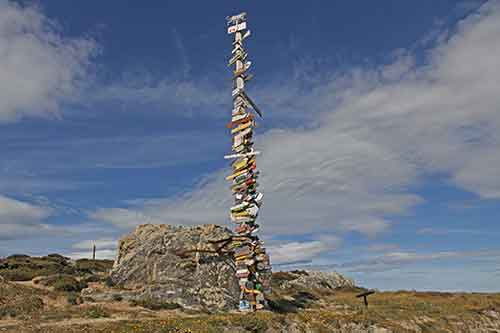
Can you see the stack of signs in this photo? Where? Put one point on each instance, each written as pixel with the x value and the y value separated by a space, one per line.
pixel 252 263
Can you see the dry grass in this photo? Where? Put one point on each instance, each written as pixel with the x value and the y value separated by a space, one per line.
pixel 27 309
pixel 430 312
pixel 19 301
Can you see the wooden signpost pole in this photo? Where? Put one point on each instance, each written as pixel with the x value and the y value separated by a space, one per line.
pixel 253 269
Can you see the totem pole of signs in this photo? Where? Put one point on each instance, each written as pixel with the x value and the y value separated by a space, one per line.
pixel 252 263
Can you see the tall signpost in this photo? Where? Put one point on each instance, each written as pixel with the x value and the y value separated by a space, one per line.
pixel 252 263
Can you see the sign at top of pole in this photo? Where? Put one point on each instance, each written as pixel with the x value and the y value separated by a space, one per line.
pixel 236 18
pixel 237 27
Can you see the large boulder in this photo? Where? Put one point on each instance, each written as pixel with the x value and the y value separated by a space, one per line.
pixel 177 264
pixel 312 279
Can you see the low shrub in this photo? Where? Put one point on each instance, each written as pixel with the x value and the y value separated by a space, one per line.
pixel 94 266
pixel 109 282
pixel 283 276
pixel 19 301
pixel 21 307
pixel 92 278
pixel 95 312
pixel 153 304
pixel 251 323
pixel 61 282
pixel 20 274
pixel 20 267
pixel 74 299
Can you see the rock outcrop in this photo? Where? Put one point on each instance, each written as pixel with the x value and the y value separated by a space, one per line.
pixel 315 280
pixel 177 264
pixel 190 267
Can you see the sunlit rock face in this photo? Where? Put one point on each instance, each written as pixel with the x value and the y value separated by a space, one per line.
pixel 177 264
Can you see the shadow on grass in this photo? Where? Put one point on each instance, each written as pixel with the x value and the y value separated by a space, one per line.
pixel 293 303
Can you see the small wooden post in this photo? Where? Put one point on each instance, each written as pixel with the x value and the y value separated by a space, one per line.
pixel 93 252
pixel 364 295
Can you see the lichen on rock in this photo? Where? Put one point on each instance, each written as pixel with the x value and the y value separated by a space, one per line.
pixel 177 264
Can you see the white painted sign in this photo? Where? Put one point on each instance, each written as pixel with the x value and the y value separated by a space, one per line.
pixel 236 91
pixel 237 27
pixel 240 39
pixel 234 18
pixel 238 56
pixel 246 35
pixel 227 157
pixel 236 48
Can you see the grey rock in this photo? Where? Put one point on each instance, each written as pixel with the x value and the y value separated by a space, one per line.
pixel 317 279
pixel 176 264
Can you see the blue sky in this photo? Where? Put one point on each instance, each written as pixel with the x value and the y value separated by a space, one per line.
pixel 380 141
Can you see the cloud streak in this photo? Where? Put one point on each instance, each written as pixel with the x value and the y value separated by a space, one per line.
pixel 41 70
pixel 19 218
pixel 377 133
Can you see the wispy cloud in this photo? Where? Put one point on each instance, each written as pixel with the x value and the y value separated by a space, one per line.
pixel 99 254
pixel 101 244
pixel 293 252
pixel 448 231
pixel 382 247
pixel 181 49
pixel 378 132
pixel 396 259
pixel 23 219
pixel 40 68
pixel 177 95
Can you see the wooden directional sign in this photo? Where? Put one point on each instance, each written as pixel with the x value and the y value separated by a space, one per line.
pixel 237 91
pixel 242 70
pixel 252 104
pixel 237 56
pixel 237 27
pixel 236 48
pixel 245 36
pixel 227 157
pixel 235 18
pixel 247 77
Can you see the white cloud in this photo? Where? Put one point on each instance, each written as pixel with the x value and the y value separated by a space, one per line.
pixel 378 132
pixel 17 211
pixel 105 249
pixel 448 231
pixel 293 252
pixel 19 218
pixel 40 68
pixel 396 259
pixel 169 93
pixel 382 247
pixel 101 254
pixel 101 244
pixel 124 218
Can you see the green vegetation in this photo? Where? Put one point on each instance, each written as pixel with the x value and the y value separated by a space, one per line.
pixel 154 304
pixel 74 299
pixel 23 268
pixel 19 301
pixel 94 266
pixel 62 282
pixel 96 312
pixel 20 267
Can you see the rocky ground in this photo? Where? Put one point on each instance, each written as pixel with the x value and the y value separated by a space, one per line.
pixel 55 294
